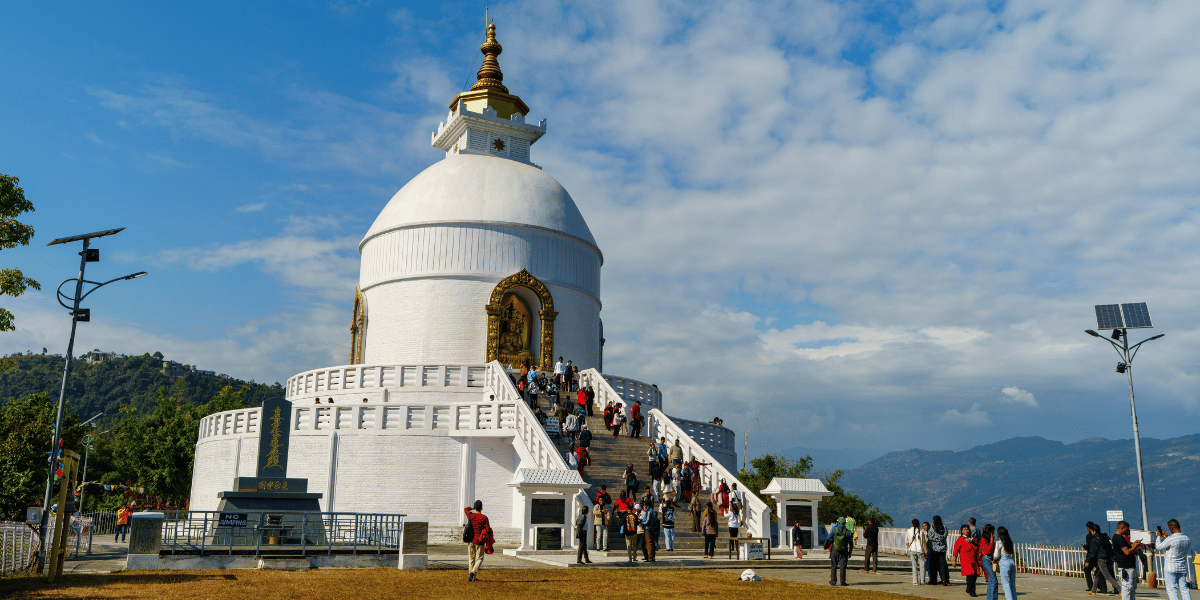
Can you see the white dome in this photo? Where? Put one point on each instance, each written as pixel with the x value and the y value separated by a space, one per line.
pixel 468 188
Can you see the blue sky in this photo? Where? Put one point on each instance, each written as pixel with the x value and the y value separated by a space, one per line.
pixel 877 224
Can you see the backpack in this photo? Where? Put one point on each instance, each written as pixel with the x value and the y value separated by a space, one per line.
pixel 841 539
pixel 468 532
pixel 652 522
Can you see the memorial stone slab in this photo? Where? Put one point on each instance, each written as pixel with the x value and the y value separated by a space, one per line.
pixel 145 533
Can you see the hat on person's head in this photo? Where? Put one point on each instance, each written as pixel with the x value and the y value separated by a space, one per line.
pixel 637 507
pixel 841 520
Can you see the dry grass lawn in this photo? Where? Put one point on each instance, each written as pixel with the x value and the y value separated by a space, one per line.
pixel 354 584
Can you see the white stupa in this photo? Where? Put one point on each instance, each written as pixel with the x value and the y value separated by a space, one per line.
pixel 480 264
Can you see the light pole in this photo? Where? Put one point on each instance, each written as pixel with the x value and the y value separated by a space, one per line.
pixel 85 256
pixel 1121 318
pixel 87 448
pixel 746 443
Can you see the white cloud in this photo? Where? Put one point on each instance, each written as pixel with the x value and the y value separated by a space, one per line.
pixel 254 207
pixel 794 237
pixel 326 266
pixel 975 417
pixel 1012 395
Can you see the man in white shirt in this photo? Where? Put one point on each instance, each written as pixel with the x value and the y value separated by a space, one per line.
pixel 1176 548
pixel 558 371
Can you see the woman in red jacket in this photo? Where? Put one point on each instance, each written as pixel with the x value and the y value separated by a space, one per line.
pixel 966 551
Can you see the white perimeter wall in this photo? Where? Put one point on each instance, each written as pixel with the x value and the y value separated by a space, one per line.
pixel 429 478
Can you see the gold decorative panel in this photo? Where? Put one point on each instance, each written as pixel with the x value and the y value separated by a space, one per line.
pixel 510 323
pixel 358 327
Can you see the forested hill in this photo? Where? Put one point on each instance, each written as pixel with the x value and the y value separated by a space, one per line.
pixel 95 388
pixel 1042 490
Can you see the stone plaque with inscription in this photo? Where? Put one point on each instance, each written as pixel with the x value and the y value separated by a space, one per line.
pixel 549 538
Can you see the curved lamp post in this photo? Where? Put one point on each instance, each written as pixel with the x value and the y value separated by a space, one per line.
pixel 1120 321
pixel 77 314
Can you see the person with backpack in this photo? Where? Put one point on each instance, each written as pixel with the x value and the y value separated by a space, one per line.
pixel 479 538
pixel 1098 554
pixel 631 482
pixel 629 529
pixel 650 524
pixel 840 544
pixel 581 535
pixel 668 524
pixel 602 496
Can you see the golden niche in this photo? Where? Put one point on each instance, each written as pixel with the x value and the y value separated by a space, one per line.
pixel 516 324
pixel 511 328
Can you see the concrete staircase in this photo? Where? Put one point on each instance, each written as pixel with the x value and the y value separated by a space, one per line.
pixel 610 457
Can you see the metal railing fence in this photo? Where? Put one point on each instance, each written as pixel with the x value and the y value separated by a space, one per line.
pixel 103 523
pixel 1042 559
pixel 282 532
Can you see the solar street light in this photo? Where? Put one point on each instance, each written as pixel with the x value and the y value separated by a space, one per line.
pixel 1120 318
pixel 78 315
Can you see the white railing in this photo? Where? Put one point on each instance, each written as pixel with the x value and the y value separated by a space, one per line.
pixel 534 436
pixel 716 439
pixel 631 390
pixel 376 378
pixel 756 514
pixel 891 539
pixel 230 422
pixel 529 430
pixel 18 546
pixel 1040 559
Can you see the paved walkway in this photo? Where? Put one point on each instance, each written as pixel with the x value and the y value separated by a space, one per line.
pixel 1029 587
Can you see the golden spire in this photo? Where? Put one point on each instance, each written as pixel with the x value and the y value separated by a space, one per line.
pixel 489 90
pixel 489 74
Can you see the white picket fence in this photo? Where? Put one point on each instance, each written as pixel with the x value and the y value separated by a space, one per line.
pixel 1041 559
pixel 18 545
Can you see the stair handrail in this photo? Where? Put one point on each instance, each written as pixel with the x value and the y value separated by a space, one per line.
pixel 529 429
pixel 756 515
pixel 531 433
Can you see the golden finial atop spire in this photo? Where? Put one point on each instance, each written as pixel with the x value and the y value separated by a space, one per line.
pixel 489 74
pixel 489 90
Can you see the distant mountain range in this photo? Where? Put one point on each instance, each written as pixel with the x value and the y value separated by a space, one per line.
pixel 1043 491
pixel 829 459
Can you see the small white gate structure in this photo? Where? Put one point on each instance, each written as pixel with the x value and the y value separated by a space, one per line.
pixel 796 500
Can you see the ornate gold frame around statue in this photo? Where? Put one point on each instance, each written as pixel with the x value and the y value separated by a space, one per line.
pixel 495 309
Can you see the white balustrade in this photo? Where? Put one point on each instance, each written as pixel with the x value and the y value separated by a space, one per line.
pixel 379 377
pixel 756 513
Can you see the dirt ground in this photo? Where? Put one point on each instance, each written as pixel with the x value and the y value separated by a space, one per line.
pixel 354 584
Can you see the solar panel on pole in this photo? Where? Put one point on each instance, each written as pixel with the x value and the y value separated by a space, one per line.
pixel 1108 316
pixel 1136 315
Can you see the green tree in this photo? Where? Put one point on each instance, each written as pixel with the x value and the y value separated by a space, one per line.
pixel 156 448
pixel 841 504
pixel 769 466
pixel 13 233
pixel 26 426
